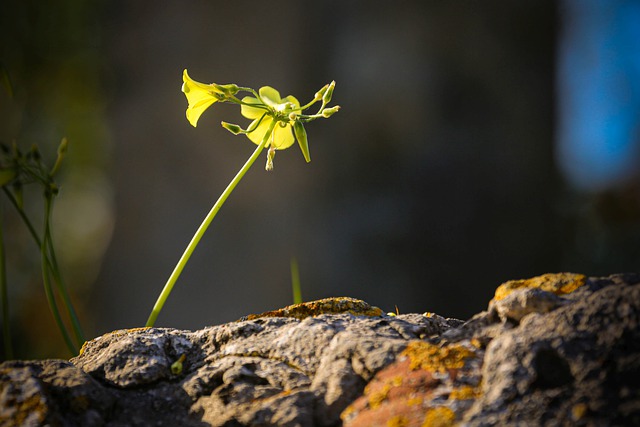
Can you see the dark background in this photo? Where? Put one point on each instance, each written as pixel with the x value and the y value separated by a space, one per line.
pixel 443 175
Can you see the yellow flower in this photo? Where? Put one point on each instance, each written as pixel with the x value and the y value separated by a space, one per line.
pixel 201 96
pixel 280 107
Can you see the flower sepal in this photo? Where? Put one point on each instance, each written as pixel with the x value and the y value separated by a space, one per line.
pixel 229 89
pixel 301 137
pixel 234 129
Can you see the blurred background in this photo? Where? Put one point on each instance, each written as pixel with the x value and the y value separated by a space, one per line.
pixel 478 142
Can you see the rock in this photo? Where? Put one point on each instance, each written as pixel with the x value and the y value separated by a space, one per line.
pixel 265 371
pixel 558 349
pixel 49 392
pixel 553 350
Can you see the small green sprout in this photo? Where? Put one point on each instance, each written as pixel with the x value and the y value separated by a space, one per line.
pixel 176 367
pixel 276 124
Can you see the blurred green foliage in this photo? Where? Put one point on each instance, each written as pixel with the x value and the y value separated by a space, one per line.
pixel 51 52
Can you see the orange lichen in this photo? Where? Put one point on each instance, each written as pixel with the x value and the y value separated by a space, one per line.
pixel 336 305
pixel 377 397
pixel 83 348
pixel 557 283
pixel 430 357
pixel 464 393
pixel 397 381
pixel 476 343
pixel 440 416
pixel 348 412
pixel 398 421
pixel 413 401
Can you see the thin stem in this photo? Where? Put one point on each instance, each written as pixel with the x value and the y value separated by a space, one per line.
pixel 6 329
pixel 23 215
pixel 295 281
pixel 313 101
pixel 162 298
pixel 51 263
pixel 60 284
pixel 47 284
pixel 248 89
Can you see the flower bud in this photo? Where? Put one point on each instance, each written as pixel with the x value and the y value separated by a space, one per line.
pixel 326 98
pixel 328 112
pixel 319 94
pixel 62 151
pixel 62 148
pixel 234 129
pixel 301 136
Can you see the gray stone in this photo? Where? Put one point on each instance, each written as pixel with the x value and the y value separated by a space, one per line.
pixel 553 350
pixel 522 302
pixel 267 371
pixel 577 365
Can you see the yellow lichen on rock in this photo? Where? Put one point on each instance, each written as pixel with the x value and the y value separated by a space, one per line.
pixel 556 283
pixel 414 401
pixel 398 421
pixel 440 416
pixel 464 393
pixel 376 398
pixel 334 305
pixel 423 355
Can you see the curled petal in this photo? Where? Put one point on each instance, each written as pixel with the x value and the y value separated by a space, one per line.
pixel 200 97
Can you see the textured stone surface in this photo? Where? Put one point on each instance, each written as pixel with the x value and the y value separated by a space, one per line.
pixel 265 371
pixel 552 350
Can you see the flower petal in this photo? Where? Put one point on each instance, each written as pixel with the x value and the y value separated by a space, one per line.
pixel 200 96
pixel 283 137
pixel 270 96
pixel 251 112
pixel 195 111
pixel 292 99
pixel 257 135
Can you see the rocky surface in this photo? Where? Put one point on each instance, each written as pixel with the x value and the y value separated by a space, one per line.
pixel 558 349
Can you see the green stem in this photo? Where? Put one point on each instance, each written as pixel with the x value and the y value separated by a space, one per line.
pixel 6 330
pixel 48 289
pixel 304 107
pixel 52 262
pixel 295 281
pixel 162 298
pixel 23 215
